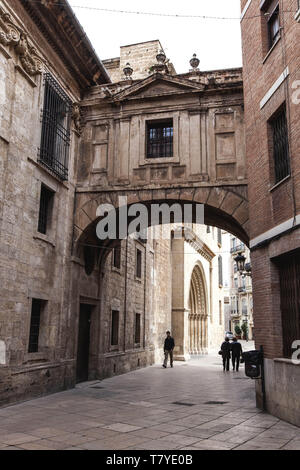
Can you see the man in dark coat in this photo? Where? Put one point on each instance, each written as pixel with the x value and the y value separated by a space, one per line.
pixel 168 349
pixel 226 348
pixel 236 349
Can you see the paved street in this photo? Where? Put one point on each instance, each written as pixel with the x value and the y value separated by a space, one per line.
pixel 150 409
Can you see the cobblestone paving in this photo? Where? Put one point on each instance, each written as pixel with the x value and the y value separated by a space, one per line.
pixel 152 408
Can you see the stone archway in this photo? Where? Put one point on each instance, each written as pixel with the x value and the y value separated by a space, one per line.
pixel 226 207
pixel 198 316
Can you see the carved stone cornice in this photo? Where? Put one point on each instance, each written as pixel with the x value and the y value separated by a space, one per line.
pixel 12 35
pixel 29 58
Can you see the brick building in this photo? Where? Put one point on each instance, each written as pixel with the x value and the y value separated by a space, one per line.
pixel 271 61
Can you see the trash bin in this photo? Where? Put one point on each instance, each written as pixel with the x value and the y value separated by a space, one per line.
pixel 253 361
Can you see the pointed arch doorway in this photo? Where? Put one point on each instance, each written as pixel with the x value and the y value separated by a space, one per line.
pixel 198 316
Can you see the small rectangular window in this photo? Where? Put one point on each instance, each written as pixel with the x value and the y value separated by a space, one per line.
pixel 280 143
pixel 117 257
pixel 36 310
pixel 220 263
pixel 219 236
pixel 137 328
pixel 138 272
pixel 160 139
pixel 273 26
pixel 115 328
pixel 46 204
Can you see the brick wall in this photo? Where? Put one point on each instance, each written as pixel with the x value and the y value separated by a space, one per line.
pixel 270 205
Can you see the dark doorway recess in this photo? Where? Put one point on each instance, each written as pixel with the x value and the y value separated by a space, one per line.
pixel 83 350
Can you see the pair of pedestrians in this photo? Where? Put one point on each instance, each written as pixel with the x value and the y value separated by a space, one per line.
pixel 231 351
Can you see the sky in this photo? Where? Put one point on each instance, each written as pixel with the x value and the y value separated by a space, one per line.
pixel 217 43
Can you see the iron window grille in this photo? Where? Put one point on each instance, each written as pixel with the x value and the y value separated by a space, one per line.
pixel 55 139
pixel 160 139
pixel 35 325
pixel 46 201
pixel 280 145
pixel 289 271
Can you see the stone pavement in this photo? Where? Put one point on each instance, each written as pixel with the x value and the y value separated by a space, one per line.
pixel 153 409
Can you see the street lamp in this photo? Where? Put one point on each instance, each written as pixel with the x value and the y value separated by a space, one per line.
pixel 240 262
pixel 243 268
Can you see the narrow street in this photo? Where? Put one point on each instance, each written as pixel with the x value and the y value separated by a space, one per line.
pixel 195 405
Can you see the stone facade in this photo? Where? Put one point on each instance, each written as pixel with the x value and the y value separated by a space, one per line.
pixel 271 88
pixel 33 265
pixel 67 312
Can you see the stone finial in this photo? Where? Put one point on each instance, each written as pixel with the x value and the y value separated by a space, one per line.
pixel 194 63
pixel 128 71
pixel 161 57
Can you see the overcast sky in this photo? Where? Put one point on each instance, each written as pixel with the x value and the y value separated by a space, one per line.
pixel 216 42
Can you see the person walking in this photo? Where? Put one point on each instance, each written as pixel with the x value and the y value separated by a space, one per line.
pixel 236 350
pixel 225 350
pixel 168 349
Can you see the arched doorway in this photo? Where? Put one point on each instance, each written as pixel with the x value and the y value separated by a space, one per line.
pixel 198 316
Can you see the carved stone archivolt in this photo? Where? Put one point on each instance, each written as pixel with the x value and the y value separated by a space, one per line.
pixel 12 35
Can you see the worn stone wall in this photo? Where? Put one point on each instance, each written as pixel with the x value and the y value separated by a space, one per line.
pixel 32 265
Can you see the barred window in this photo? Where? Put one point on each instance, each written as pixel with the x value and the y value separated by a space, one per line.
pixel 55 139
pixel 160 139
pixel 46 204
pixel 280 145
pixel 289 271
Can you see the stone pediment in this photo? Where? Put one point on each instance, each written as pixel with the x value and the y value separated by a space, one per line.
pixel 158 85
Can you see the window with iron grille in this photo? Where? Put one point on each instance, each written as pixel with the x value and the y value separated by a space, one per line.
pixel 46 204
pixel 55 139
pixel 36 310
pixel 137 328
pixel 160 139
pixel 289 271
pixel 280 145
pixel 115 328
